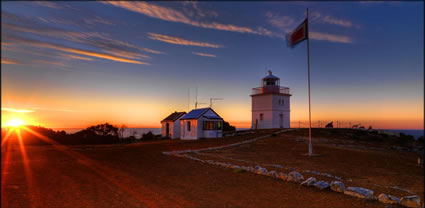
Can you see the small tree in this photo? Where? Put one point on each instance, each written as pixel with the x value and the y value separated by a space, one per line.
pixel 228 127
pixel 121 131
pixel 105 129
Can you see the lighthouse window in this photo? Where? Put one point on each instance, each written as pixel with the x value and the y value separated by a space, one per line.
pixel 261 116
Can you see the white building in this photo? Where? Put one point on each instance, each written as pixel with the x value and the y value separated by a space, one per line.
pixel 270 104
pixel 201 123
pixel 171 125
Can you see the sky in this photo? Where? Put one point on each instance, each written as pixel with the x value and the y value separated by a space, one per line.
pixel 75 64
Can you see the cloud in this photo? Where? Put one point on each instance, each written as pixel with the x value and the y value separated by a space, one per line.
pixel 70 56
pixel 284 23
pixel 318 17
pixel 287 24
pixel 98 40
pixel 180 41
pixel 73 50
pixel 56 63
pixel 17 110
pixel 5 60
pixel 96 20
pixel 330 37
pixel 53 5
pixel 168 14
pixel 192 9
pixel 204 54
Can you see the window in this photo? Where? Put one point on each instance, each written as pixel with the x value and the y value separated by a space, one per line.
pixel 212 125
pixel 261 116
pixel 282 102
pixel 279 101
pixel 188 125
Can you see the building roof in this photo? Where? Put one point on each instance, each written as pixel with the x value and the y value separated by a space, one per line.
pixel 174 116
pixel 196 113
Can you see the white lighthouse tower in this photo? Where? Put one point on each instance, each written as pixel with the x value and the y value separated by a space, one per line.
pixel 270 104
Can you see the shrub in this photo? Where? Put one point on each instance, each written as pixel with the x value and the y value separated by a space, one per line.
pixel 148 136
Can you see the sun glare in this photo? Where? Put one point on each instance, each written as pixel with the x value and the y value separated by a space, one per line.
pixel 15 122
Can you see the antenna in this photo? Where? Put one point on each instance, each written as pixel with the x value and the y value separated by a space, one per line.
pixel 211 99
pixel 188 99
pixel 196 98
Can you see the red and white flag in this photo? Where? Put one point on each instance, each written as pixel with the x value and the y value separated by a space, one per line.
pixel 298 35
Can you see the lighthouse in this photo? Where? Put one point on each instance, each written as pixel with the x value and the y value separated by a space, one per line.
pixel 270 104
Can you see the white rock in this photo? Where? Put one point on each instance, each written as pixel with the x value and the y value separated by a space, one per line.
pixel 411 201
pixel 309 182
pixel 388 199
pixel 262 171
pixel 395 199
pixel 321 185
pixel 295 176
pixel 337 186
pixel 359 192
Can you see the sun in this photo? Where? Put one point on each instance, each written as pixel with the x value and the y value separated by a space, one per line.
pixel 16 122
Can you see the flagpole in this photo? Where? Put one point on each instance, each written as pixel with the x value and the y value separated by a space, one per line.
pixel 310 148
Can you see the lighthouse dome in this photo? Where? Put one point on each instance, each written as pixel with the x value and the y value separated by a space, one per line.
pixel 270 80
pixel 270 76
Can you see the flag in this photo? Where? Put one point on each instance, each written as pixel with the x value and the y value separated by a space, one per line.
pixel 298 35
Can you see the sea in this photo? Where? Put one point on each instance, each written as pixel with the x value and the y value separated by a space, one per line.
pixel 138 132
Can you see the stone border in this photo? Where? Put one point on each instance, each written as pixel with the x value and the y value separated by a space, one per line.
pixel 296 177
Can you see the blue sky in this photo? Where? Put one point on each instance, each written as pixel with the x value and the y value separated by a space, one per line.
pixel 133 62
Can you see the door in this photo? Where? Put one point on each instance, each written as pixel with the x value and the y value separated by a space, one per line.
pixel 167 129
pixel 281 120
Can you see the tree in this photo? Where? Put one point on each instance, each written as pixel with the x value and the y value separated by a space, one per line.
pixel 228 127
pixel 105 129
pixel 121 131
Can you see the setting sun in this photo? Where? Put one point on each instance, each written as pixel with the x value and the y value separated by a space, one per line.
pixel 15 122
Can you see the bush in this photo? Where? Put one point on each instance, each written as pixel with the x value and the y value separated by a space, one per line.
pixel 148 136
pixel 228 127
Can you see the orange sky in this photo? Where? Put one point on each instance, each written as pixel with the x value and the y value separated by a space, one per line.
pixel 67 112
pixel 76 64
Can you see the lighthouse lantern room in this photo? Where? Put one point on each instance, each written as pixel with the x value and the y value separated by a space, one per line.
pixel 270 104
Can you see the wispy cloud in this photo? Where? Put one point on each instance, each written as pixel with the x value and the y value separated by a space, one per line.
pixel 36 43
pixel 55 63
pixel 192 9
pixel 100 41
pixel 284 23
pixel 97 20
pixel 5 60
pixel 70 56
pixel 330 37
pixel 204 54
pixel 53 5
pixel 180 41
pixel 17 110
pixel 287 24
pixel 168 14
pixel 320 18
